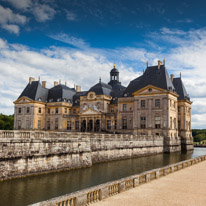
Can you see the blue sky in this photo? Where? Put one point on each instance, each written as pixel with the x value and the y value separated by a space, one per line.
pixel 79 40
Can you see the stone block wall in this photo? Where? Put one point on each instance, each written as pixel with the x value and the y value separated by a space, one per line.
pixel 25 153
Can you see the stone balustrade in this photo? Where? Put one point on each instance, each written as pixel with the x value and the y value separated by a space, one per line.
pixel 97 193
pixel 52 134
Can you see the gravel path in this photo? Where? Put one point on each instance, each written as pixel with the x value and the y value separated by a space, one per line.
pixel 185 187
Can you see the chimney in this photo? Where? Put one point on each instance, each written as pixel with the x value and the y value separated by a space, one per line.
pixel 43 84
pixel 78 88
pixel 55 84
pixel 31 79
pixel 172 77
pixel 159 64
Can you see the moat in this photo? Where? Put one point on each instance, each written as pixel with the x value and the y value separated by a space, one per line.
pixel 24 191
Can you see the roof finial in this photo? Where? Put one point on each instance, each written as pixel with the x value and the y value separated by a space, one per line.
pixel 180 74
pixel 99 79
pixel 65 83
pixel 164 61
pixel 39 78
pixel 114 65
pixel 143 71
pixel 147 63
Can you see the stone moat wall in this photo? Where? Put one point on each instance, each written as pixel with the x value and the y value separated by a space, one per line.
pixel 25 153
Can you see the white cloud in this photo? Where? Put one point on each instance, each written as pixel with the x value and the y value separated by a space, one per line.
pixel 11 21
pixel 7 16
pixel 11 28
pixel 76 42
pixel 71 16
pixel 43 12
pixel 3 44
pixel 20 4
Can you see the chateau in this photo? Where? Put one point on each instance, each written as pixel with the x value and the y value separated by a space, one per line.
pixel 152 104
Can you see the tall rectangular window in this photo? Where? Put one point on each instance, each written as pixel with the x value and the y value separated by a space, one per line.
pixel 39 124
pixel 19 110
pixel 69 125
pixel 175 123
pixel 157 102
pixel 27 110
pixel 124 123
pixel 179 124
pixel 65 110
pixel 56 124
pixel 108 124
pixel 124 107
pixel 170 122
pixel 76 125
pixel 48 110
pixel 39 110
pixel 27 124
pixel 56 110
pixel 115 124
pixel 142 122
pixel 157 122
pixel 19 124
pixel 142 103
pixel 74 111
pixel 48 125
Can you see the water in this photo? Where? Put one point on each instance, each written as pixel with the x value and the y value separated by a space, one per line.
pixel 24 191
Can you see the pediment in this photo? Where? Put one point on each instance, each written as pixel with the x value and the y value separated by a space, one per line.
pixel 149 90
pixel 90 111
pixel 23 100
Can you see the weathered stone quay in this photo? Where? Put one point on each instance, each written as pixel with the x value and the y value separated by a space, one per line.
pixel 24 153
pixel 101 192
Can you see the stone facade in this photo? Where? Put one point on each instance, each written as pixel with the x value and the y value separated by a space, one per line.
pixel 160 106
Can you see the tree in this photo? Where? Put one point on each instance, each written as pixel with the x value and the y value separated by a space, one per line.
pixel 6 122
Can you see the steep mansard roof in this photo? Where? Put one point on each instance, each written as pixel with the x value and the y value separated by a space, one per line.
pixel 152 76
pixel 35 91
pixel 180 89
pixel 60 93
pixel 101 88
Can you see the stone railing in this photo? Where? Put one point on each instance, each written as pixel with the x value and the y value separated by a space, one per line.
pixel 100 192
pixel 53 134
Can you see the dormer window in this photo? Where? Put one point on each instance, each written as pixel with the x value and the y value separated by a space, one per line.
pixel 59 99
pixel 50 100
pixel 65 99
pixel 40 99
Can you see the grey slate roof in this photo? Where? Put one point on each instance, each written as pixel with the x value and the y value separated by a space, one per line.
pixel 152 76
pixel 180 89
pixel 60 93
pixel 76 98
pixel 101 88
pixel 35 91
